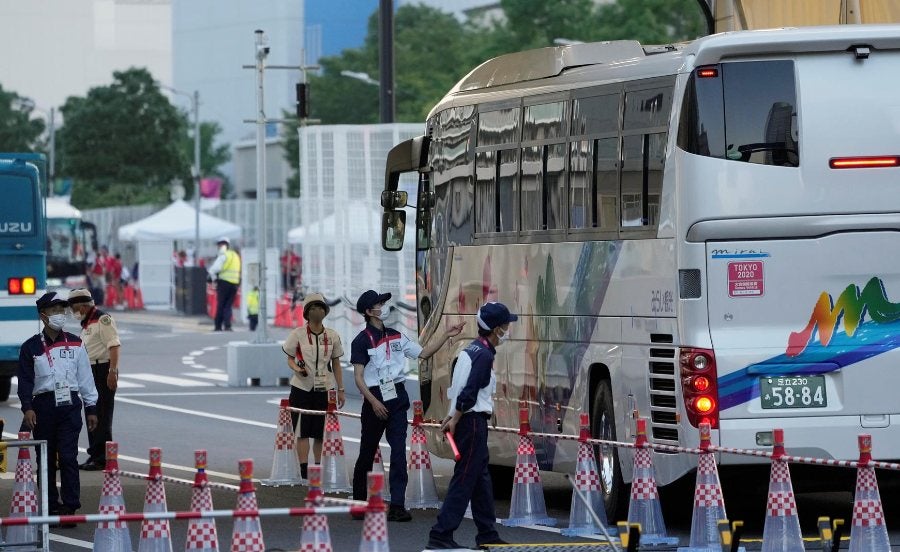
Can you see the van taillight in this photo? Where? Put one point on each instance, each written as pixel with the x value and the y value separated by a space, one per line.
pixel 21 286
pixel 708 72
pixel 699 386
pixel 864 162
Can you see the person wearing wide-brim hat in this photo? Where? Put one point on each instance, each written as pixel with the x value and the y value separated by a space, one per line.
pixel 314 355
pixel 379 356
pixel 55 383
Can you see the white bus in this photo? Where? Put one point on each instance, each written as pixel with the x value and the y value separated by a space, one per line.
pixel 71 242
pixel 698 232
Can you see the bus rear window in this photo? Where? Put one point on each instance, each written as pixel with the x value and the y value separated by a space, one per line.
pixel 17 210
pixel 742 111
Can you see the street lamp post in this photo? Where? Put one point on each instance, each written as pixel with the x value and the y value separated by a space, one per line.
pixel 195 170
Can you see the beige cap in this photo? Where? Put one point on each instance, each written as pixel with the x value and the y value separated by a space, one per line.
pixel 80 295
pixel 315 299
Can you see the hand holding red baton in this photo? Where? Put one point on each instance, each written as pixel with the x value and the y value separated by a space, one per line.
pixel 456 454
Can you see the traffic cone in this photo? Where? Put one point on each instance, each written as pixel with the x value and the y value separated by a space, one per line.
pixel 527 504
pixel 644 507
pixel 112 536
pixel 247 535
pixel 201 534
pixel 334 467
pixel 587 480
pixel 378 467
pixel 709 506
pixel 155 534
pixel 285 465
pixel 868 532
pixel 421 493
pixel 782 529
pixel 375 534
pixel 24 499
pixel 315 536
pixel 138 298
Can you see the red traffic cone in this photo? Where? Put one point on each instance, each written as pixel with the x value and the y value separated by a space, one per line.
pixel 375 533
pixel 527 504
pixel 334 465
pixel 709 506
pixel 155 534
pixel 201 533
pixel 138 298
pixel 781 532
pixel 112 536
pixel 421 492
pixel 587 481
pixel 247 535
pixel 285 465
pixel 644 507
pixel 24 499
pixel 868 532
pixel 315 536
pixel 378 467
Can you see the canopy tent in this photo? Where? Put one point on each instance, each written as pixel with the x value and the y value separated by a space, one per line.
pixel 355 224
pixel 176 222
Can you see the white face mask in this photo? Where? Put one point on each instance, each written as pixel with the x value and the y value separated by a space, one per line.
pixel 223 249
pixel 57 321
pixel 503 338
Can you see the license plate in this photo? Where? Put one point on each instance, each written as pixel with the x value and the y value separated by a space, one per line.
pixel 792 392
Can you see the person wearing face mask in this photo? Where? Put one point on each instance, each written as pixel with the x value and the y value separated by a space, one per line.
pixel 378 355
pixel 226 272
pixel 55 383
pixel 471 406
pixel 101 340
pixel 314 355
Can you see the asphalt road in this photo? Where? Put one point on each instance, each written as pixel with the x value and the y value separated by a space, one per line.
pixel 173 395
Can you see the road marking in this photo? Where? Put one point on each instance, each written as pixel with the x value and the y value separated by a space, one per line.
pixel 69 540
pixel 196 353
pixel 212 348
pixel 207 375
pixel 123 384
pixel 169 380
pixel 202 393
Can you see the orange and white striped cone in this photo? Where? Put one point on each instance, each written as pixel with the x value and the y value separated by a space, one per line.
pixel 155 534
pixel 334 464
pixel 421 492
pixel 315 536
pixel 644 507
pixel 781 532
pixel 375 531
pixel 201 534
pixel 587 481
pixel 24 499
pixel 527 504
pixel 247 534
pixel 868 533
pixel 378 467
pixel 112 536
pixel 285 464
pixel 709 505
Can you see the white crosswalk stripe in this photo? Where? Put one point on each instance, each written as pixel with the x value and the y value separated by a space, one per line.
pixel 168 380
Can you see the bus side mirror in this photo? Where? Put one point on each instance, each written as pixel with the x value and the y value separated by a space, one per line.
pixel 394 199
pixel 393 228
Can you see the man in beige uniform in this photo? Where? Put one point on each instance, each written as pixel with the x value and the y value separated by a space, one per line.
pixel 101 339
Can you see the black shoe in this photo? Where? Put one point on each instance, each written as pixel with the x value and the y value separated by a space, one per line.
pixel 495 542
pixel 444 545
pixel 91 466
pixel 398 513
pixel 303 471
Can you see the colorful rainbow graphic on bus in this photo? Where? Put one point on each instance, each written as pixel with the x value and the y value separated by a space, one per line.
pixel 861 339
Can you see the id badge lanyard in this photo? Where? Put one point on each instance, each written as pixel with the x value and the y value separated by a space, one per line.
pixel 62 393
pixel 319 377
pixel 385 382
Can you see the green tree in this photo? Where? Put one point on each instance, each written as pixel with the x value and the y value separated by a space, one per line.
pixel 122 143
pixel 18 131
pixel 212 156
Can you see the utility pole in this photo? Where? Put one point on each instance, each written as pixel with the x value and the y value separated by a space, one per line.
pixel 196 108
pixel 51 175
pixel 386 60
pixel 261 52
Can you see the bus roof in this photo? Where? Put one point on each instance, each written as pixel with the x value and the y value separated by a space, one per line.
pixel 558 68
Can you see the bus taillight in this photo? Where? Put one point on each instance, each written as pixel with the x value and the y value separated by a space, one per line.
pixel 21 286
pixel 699 387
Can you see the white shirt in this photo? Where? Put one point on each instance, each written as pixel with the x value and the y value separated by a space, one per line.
pixel 485 401
pixel 387 359
pixel 68 357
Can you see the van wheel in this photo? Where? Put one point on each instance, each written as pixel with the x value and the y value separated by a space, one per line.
pixel 603 426
pixel 5 386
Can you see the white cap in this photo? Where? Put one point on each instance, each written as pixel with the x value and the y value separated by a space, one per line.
pixel 223 239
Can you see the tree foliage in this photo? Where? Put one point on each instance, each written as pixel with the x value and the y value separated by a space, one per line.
pixel 212 156
pixel 18 131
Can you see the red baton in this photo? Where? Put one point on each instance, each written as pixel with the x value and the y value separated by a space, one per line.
pixel 456 454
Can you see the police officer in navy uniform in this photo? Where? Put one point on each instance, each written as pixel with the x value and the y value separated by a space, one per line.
pixel 471 406
pixel 378 355
pixel 55 383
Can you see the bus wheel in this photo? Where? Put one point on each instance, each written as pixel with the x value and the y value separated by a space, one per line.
pixel 603 426
pixel 501 481
pixel 5 386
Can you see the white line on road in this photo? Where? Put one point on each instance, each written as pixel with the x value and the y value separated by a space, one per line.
pixel 73 542
pixel 169 380
pixel 207 375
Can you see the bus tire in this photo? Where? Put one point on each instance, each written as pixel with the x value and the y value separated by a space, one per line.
pixel 5 386
pixel 603 426
pixel 501 481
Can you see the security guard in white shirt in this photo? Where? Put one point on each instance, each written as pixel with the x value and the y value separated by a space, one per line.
pixel 55 380
pixel 378 355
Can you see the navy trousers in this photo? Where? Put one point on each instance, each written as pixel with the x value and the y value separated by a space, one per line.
pixel 60 427
pixel 471 481
pixel 105 406
pixel 225 293
pixel 372 429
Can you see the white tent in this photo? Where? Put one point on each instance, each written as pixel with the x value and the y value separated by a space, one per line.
pixel 355 224
pixel 176 222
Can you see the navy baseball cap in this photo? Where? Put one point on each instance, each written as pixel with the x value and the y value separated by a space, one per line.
pixel 50 299
pixel 369 299
pixel 492 315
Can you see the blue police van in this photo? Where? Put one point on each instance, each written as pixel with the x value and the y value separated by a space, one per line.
pixel 23 257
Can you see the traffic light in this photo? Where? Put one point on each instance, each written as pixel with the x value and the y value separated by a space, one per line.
pixel 302 90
